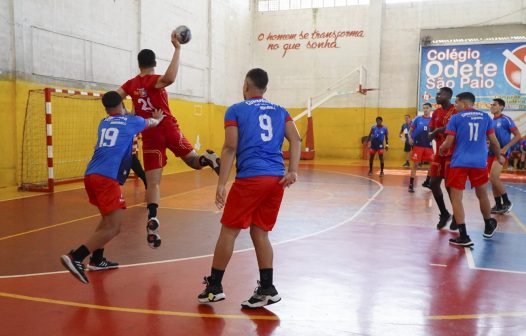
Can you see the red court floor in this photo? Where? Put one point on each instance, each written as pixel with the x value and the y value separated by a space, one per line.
pixel 354 255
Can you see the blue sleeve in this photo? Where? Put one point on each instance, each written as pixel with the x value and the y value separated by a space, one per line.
pixel 139 124
pixel 511 124
pixel 452 124
pixel 489 124
pixel 231 116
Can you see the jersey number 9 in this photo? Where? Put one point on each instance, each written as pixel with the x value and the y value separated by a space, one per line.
pixel 266 125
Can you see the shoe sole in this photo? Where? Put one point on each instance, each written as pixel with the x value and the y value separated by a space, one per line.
pixel 271 300
pixel 95 268
pixel 152 235
pixel 215 298
pixel 445 224
pixel 66 262
pixel 462 244
pixel 508 210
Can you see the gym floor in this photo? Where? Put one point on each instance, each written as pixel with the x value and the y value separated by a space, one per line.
pixel 354 255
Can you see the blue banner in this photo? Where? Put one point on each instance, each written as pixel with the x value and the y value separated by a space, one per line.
pixel 486 70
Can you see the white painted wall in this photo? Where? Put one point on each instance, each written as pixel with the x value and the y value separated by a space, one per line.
pixel 298 74
pixel 304 73
pixel 94 44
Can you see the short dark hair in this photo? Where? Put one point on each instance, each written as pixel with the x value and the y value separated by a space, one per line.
pixel 500 102
pixel 146 58
pixel 111 99
pixel 259 77
pixel 466 96
pixel 428 104
pixel 447 90
pixel 379 118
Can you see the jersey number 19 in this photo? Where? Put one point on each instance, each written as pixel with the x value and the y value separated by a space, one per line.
pixel 108 137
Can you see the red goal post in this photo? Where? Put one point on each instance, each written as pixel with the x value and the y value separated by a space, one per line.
pixel 60 130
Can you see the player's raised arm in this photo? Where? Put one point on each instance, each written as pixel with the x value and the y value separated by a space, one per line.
pixel 170 74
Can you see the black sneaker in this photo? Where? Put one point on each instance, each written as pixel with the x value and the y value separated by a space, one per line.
pixel 426 184
pixel 411 189
pixel 370 173
pixel 443 220
pixel 209 158
pixel 75 267
pixel 506 207
pixel 461 241
pixel 102 265
pixel 453 225
pixel 406 164
pixel 382 173
pixel 152 233
pixel 212 292
pixel 496 209
pixel 262 297
pixel 490 228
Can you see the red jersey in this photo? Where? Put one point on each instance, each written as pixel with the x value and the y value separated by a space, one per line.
pixel 440 118
pixel 145 96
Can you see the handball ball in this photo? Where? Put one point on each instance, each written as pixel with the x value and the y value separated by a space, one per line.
pixel 183 34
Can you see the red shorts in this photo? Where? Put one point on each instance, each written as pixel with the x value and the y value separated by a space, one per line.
pixel 440 166
pixel 422 154
pixel 104 193
pixel 490 161
pixel 253 200
pixel 458 176
pixel 155 140
pixel 374 151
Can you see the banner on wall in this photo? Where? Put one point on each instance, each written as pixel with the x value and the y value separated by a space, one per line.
pixel 487 70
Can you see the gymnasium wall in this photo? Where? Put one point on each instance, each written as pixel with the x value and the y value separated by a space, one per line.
pixel 92 45
pixel 389 49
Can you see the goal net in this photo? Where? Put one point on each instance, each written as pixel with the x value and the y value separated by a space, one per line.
pixel 60 132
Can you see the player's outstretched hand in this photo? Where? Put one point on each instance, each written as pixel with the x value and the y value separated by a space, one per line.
pixel 289 179
pixel 220 196
pixel 158 114
pixel 501 160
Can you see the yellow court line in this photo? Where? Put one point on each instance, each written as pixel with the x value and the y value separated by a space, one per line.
pixel 138 310
pixel 87 217
pixel 475 316
pixel 518 221
pixel 226 316
pixel 47 227
pixel 187 209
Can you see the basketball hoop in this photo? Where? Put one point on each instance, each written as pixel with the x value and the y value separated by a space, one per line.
pixel 364 91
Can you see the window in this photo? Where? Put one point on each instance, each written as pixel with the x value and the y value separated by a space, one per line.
pixel 277 5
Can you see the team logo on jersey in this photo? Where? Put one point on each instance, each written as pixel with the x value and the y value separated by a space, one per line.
pixel 141 92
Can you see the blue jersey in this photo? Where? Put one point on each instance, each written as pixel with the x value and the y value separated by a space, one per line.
pixel 522 145
pixel 112 157
pixel 261 132
pixel 405 130
pixel 377 136
pixel 504 127
pixel 420 128
pixel 470 128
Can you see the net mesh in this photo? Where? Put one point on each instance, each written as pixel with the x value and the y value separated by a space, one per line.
pixel 75 119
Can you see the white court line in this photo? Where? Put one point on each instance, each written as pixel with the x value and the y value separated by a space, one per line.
pixel 438 265
pixel 243 250
pixel 471 264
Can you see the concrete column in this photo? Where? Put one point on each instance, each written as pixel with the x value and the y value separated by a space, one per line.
pixel 374 49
